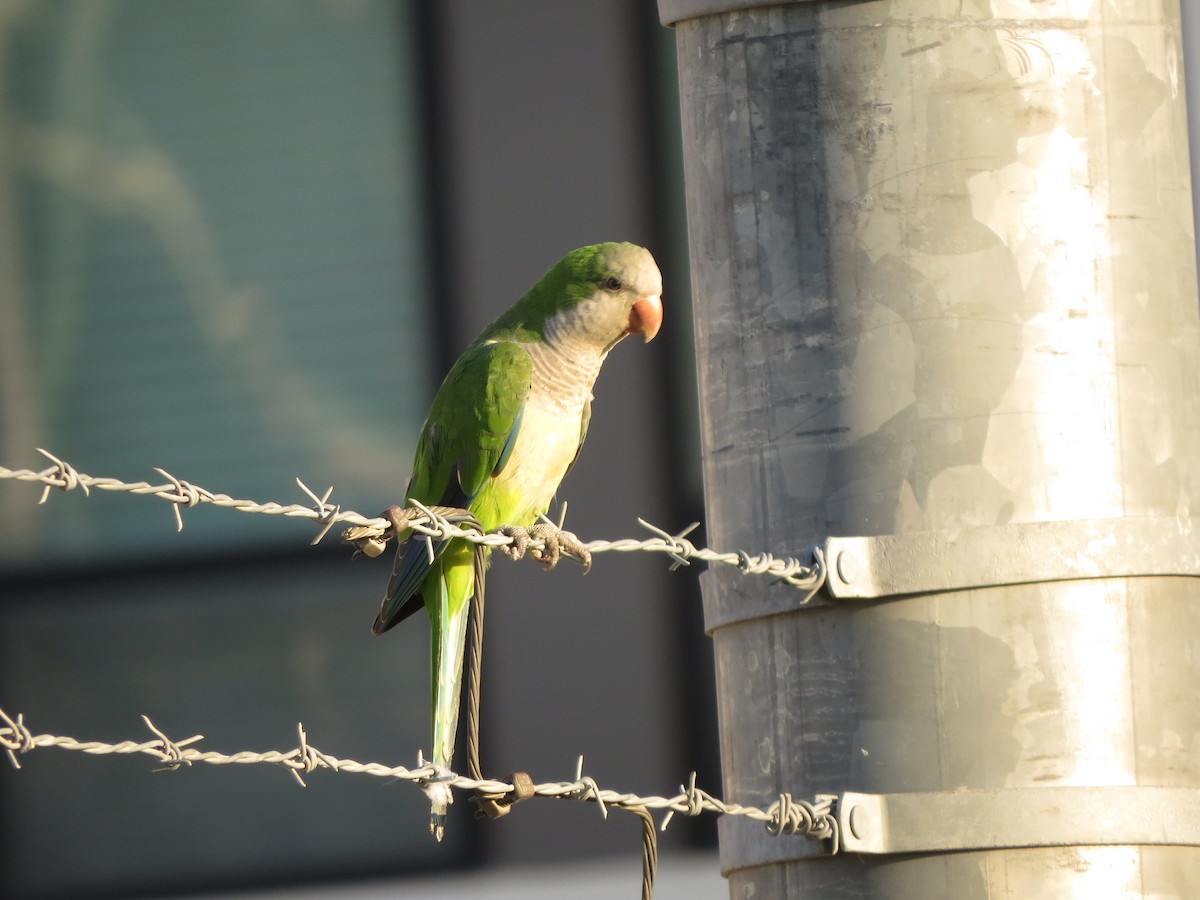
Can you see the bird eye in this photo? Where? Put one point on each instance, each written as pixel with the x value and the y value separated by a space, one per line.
pixel 613 283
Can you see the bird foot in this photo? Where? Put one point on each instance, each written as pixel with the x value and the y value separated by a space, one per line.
pixel 555 543
pixel 520 541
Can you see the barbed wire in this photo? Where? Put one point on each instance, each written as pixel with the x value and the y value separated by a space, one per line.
pixel 428 522
pixel 369 535
pixel 815 820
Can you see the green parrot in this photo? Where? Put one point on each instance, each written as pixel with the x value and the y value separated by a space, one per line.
pixel 506 426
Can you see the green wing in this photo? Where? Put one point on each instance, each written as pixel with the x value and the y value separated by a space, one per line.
pixel 466 441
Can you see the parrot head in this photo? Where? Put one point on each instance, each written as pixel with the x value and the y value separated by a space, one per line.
pixel 596 295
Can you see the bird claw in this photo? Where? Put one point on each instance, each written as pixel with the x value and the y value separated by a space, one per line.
pixel 520 541
pixel 555 543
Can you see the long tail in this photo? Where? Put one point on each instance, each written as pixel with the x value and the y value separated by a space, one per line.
pixel 453 599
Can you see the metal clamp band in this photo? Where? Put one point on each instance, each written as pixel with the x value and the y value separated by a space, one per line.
pixel 945 821
pixel 927 562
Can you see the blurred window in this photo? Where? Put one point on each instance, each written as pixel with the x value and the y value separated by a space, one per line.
pixel 215 261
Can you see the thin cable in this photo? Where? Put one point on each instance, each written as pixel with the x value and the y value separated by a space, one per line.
pixel 369 534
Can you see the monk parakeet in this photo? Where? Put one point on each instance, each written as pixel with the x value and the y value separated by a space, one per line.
pixel 505 427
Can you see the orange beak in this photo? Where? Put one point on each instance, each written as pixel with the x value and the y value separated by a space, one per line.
pixel 646 317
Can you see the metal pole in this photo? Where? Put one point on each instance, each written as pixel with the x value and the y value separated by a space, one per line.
pixel 945 302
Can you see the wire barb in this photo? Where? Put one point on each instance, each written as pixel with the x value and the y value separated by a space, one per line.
pixel 326 514
pixel 171 752
pixel 15 737
pixel 60 476
pixel 678 549
pixel 308 758
pixel 807 819
pixel 185 494
pixel 586 789
pixel 696 802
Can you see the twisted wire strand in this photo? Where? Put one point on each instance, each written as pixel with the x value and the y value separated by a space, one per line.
pixel 814 820
pixel 428 522
pixel 785 816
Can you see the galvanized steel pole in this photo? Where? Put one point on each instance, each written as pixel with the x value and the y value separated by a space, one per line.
pixel 945 295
